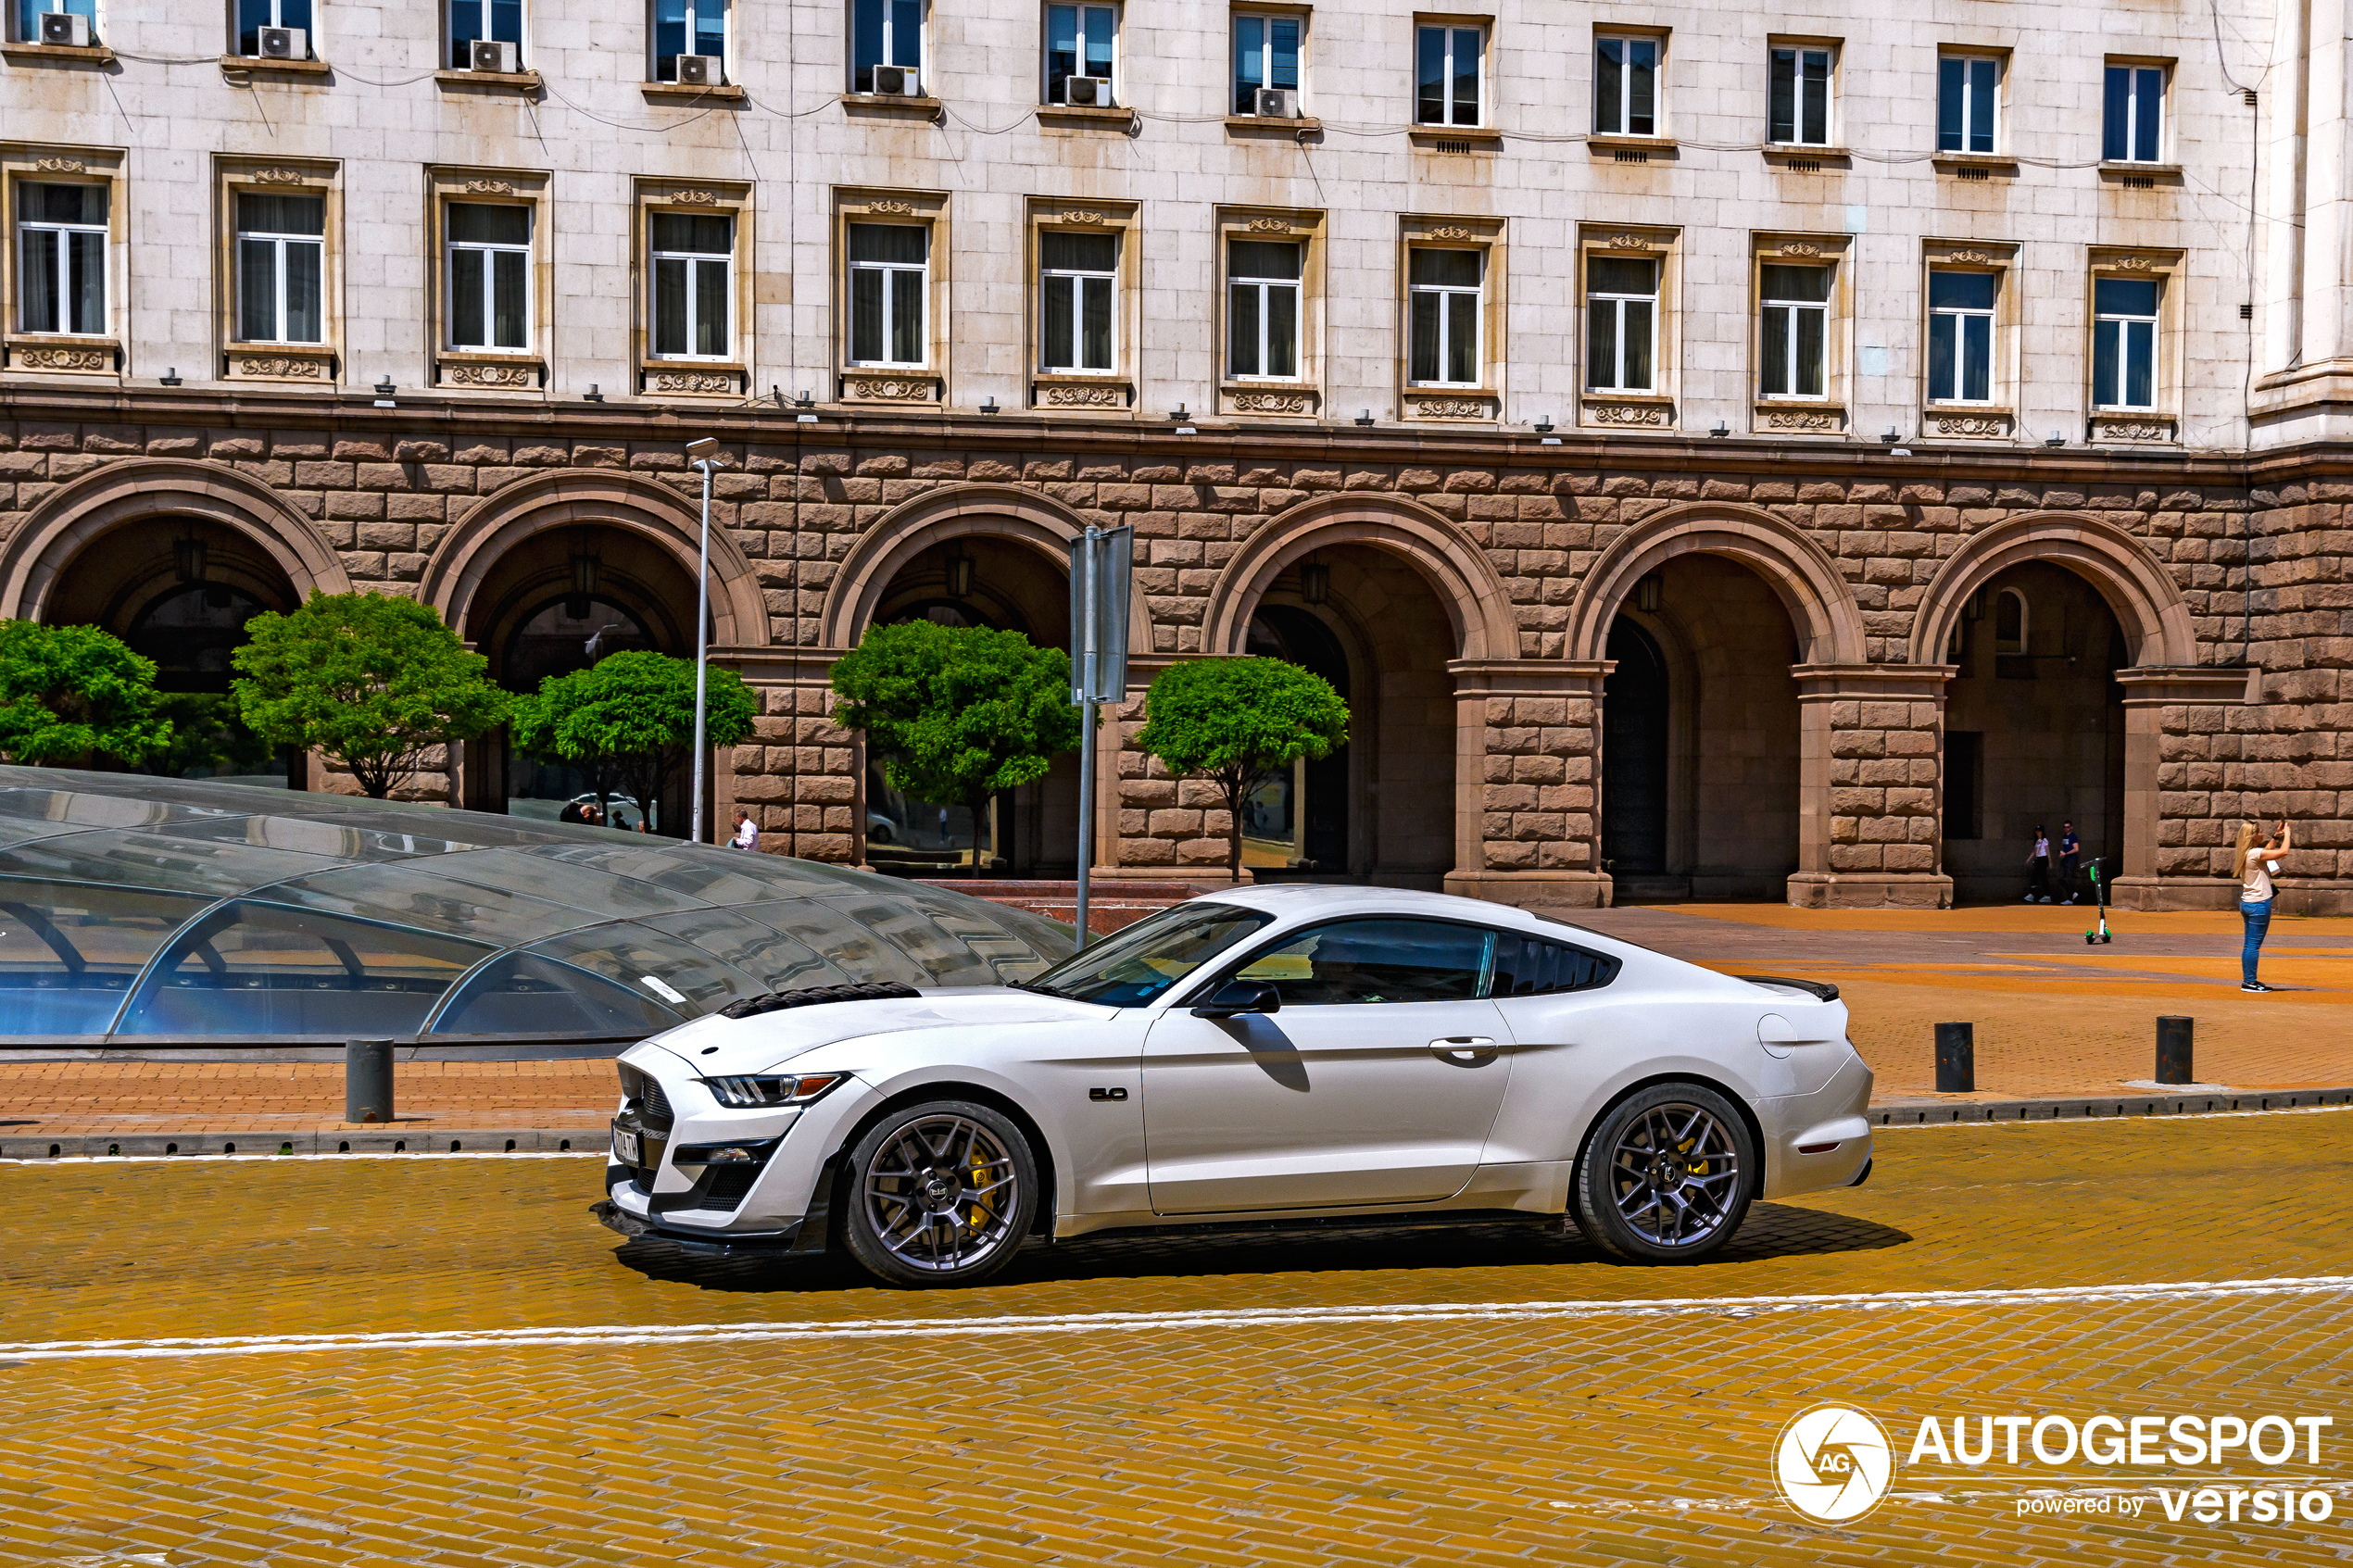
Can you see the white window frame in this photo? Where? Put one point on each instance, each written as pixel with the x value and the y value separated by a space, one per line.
pixel 280 243
pixel 1296 283
pixel 2025 624
pixel 2132 108
pixel 1765 303
pixel 1969 100
pixel 277 15
pixel 1046 48
pixel 1658 269
pixel 694 21
pixel 59 251
pixel 1797 94
pixel 488 249
pixel 891 295
pixel 654 258
pixel 449 32
pixel 890 53
pixel 1625 106
pixel 1454 32
pixel 1266 52
pixel 48 7
pixel 1961 316
pixel 1445 292
pixel 1078 309
pixel 2155 321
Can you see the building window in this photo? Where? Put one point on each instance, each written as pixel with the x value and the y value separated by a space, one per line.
pixel 889 278
pixel 1079 42
pixel 1446 75
pixel 1625 86
pixel 1801 95
pixel 694 257
pixel 255 15
pixel 1796 330
pixel 61 258
pixel 1078 279
pixel 29 12
pixel 1621 323
pixel 1265 54
pixel 1443 298
pixel 1960 337
pixel 2124 342
pixel 495 21
pixel 887 33
pixel 2135 117
pixel 1262 310
pixel 1967 90
pixel 282 265
pixel 489 275
pixel 2009 622
pixel 696 28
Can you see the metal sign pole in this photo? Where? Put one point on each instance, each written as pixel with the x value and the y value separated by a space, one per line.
pixel 1099 566
pixel 1087 684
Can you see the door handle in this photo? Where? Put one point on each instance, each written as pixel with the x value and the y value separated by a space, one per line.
pixel 1464 1047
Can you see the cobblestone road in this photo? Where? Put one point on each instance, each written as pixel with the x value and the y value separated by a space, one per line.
pixel 1521 1400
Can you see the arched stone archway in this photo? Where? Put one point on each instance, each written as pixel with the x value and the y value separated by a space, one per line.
pixel 1821 605
pixel 2146 600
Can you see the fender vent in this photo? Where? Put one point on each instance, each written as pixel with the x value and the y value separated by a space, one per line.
pixel 817 996
pixel 1819 989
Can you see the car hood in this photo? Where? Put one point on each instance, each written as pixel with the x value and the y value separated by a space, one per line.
pixel 715 1044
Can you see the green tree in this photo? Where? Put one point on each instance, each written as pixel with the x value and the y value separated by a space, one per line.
pixel 72 694
pixel 1240 723
pixel 629 719
pixel 960 713
pixel 206 738
pixel 372 681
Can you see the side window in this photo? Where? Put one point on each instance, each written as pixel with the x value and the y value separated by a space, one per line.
pixel 1532 966
pixel 1357 961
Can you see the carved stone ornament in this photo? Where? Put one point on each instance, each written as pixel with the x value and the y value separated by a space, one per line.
pixel 1630 241
pixel 1448 231
pixel 281 367
pixel 61 166
pixel 2134 264
pixel 693 381
pixel 1270 225
pixel 65 359
pixel 891 206
pixel 2134 430
pixel 892 389
pixel 490 187
pixel 277 176
pixel 1651 414
pixel 1451 408
pixel 1800 247
pixel 1082 218
pixel 696 198
pixel 1968 424
pixel 1082 397
pixel 1802 421
pixel 490 375
pixel 1272 403
pixel 1969 257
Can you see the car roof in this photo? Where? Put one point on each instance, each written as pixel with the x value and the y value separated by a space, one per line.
pixel 1300 900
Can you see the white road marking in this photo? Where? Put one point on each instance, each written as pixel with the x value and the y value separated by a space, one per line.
pixel 1134 1322
pixel 1685 1505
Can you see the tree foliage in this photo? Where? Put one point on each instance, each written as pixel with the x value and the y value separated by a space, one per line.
pixel 1240 723
pixel 207 738
pixel 372 681
pixel 960 713
pixel 73 694
pixel 629 719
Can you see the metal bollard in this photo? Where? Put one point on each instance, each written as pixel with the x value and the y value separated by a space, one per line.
pixel 2173 1041
pixel 1956 1059
pixel 367 1081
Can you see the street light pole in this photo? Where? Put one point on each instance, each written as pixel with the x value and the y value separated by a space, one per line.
pixel 702 454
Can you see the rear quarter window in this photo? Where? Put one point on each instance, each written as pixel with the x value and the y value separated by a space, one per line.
pixel 1538 966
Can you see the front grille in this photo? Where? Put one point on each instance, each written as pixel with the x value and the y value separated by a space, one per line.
pixel 725 1186
pixel 645 1091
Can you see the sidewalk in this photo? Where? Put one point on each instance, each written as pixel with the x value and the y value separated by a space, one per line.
pixel 2054 1020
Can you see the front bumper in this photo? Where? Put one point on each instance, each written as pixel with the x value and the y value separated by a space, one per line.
pixel 731 1243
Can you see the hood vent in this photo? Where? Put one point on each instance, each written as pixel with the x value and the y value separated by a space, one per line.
pixel 817 996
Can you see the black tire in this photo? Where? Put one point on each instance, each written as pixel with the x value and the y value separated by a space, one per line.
pixel 1667 1175
pixel 938 1193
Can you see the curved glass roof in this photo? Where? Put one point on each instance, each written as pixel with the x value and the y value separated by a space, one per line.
pixel 137 910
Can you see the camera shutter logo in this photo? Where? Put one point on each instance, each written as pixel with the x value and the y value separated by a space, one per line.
pixel 1833 1463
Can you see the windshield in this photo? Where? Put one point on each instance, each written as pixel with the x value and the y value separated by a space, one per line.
pixel 1137 965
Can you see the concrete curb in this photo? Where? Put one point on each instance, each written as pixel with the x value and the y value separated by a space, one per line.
pixel 1923 1112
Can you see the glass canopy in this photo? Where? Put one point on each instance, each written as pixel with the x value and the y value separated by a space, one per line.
pixel 138 910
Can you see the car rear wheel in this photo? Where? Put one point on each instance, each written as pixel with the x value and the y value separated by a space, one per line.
pixel 1666 1176
pixel 941 1193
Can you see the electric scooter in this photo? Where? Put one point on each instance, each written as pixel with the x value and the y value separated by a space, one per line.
pixel 2099 898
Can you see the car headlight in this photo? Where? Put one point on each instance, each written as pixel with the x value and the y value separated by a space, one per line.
pixel 764 1090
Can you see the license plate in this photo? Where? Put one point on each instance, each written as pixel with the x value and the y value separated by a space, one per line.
pixel 626 1147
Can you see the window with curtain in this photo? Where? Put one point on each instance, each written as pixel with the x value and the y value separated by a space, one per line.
pixel 1966 91
pixel 1262 310
pixel 687 27
pixel 888 279
pixel 1625 86
pixel 1796 315
pixel 489 275
pixel 1799 101
pixel 884 32
pixel 1079 42
pixel 61 258
pixel 1960 337
pixel 497 21
pixel 1442 291
pixel 2124 342
pixel 1078 277
pixel 1446 69
pixel 282 268
pixel 2133 128
pixel 694 263
pixel 1621 323
pixel 255 15
pixel 29 12
pixel 1265 54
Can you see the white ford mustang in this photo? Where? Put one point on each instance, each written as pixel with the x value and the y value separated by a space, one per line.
pixel 1281 1054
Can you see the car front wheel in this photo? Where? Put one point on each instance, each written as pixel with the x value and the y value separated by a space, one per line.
pixel 941 1193
pixel 1666 1176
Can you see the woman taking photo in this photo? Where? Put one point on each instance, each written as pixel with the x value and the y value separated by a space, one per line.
pixel 2256 864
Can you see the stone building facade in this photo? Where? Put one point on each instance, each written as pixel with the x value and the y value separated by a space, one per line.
pixel 1801 492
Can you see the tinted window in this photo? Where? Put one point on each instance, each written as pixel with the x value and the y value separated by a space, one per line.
pixel 1532 966
pixel 1141 963
pixel 1376 960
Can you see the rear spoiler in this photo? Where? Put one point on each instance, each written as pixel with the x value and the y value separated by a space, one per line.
pixel 1821 990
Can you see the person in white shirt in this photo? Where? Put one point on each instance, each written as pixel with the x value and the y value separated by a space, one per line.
pixel 2256 864
pixel 746 832
pixel 2038 869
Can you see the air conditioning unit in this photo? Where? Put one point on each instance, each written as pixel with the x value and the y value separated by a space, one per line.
pixel 1277 103
pixel 700 71
pixel 64 28
pixel 284 44
pixel 898 82
pixel 1089 92
pixel 493 56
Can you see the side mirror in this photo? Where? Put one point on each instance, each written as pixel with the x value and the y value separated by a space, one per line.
pixel 1238 997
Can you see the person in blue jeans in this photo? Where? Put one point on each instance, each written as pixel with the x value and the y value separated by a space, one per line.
pixel 2256 864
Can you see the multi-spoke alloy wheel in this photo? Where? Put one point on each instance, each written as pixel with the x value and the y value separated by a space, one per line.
pixel 940 1194
pixel 1668 1174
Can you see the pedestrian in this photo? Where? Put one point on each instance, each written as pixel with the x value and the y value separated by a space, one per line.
pixel 2071 859
pixel 645 824
pixel 572 813
pixel 593 816
pixel 746 832
pixel 2256 863
pixel 2038 869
